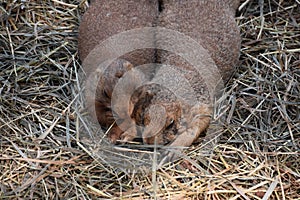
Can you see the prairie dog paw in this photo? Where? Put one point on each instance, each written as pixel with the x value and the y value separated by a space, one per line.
pixel 129 135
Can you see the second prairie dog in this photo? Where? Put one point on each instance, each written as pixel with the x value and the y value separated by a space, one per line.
pixel 210 22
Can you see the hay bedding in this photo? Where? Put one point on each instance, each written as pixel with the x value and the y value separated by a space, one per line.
pixel 257 153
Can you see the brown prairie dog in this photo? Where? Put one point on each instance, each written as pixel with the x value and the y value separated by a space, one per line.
pixel 104 19
pixel 209 22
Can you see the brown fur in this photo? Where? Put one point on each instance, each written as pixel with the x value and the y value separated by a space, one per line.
pixel 103 19
pixel 106 18
pixel 210 23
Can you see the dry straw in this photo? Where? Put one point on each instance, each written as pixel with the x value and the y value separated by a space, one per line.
pixel 254 155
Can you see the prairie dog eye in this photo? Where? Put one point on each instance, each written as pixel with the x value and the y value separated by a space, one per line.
pixel 170 124
pixel 105 94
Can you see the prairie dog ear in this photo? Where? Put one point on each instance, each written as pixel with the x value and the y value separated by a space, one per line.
pixel 126 66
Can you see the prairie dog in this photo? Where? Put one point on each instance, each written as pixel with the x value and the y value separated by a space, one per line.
pixel 102 20
pixel 211 23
